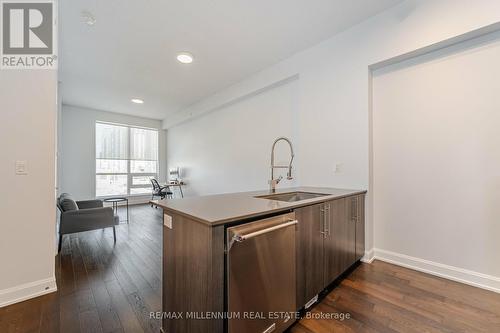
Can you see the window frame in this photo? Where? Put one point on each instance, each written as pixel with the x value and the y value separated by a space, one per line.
pixel 129 175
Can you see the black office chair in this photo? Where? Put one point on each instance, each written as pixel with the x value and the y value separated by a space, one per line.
pixel 160 191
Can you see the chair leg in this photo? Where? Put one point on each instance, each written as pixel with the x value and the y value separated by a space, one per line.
pixel 114 234
pixel 60 243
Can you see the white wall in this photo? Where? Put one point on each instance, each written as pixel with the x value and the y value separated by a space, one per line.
pixel 58 137
pixel 436 158
pixel 77 172
pixel 27 203
pixel 230 150
pixel 333 89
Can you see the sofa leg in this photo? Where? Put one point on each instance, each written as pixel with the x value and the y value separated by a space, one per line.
pixel 60 243
pixel 114 234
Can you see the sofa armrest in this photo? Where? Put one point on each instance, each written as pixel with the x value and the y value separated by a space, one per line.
pixel 85 204
pixel 87 219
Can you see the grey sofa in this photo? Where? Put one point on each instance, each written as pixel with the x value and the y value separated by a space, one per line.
pixel 78 216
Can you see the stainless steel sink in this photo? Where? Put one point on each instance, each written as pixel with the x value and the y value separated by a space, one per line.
pixel 292 196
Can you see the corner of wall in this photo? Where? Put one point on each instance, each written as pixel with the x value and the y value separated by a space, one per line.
pixel 369 256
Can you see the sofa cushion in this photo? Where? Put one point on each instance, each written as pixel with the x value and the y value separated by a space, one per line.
pixel 67 203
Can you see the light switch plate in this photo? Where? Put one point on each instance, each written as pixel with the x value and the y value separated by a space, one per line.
pixel 338 168
pixel 167 221
pixel 21 168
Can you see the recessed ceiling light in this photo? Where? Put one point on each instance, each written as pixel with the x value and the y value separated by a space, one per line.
pixel 185 57
pixel 137 101
pixel 88 18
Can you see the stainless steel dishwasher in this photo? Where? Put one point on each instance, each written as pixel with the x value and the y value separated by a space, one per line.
pixel 261 272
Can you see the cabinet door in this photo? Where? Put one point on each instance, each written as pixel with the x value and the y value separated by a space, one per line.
pixel 357 215
pixel 340 241
pixel 309 252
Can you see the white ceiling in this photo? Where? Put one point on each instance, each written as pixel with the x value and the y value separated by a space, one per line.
pixel 131 49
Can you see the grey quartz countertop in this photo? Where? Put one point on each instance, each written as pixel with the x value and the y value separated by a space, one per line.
pixel 230 207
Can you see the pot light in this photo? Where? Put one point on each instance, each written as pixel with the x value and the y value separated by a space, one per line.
pixel 137 101
pixel 185 57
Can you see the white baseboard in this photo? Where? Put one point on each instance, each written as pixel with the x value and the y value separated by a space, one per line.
pixel 368 257
pixel 26 291
pixel 453 273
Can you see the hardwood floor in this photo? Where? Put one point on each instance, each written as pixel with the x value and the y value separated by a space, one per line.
pixel 385 298
pixel 105 287
pixel 102 286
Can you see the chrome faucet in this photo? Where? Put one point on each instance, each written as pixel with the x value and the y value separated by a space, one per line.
pixel 273 182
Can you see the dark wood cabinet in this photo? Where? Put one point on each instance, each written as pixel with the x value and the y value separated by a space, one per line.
pixel 340 240
pixel 357 211
pixel 309 252
pixel 331 238
pixel 193 274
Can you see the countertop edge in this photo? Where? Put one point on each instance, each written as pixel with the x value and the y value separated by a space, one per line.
pixel 296 205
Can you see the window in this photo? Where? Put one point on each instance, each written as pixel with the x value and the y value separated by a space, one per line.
pixel 126 159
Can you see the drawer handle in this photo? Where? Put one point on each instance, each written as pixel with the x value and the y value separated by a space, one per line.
pixel 242 238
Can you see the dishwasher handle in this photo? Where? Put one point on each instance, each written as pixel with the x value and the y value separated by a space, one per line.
pixel 242 238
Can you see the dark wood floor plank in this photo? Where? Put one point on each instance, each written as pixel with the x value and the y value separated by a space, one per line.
pixel 50 314
pixel 89 322
pixel 132 282
pixel 143 279
pixel 10 322
pixel 32 317
pixel 388 298
pixel 128 319
pixel 142 312
pixel 79 271
pixel 391 298
pixel 151 259
pixel 97 273
pixel 147 284
pixel 69 313
pixel 66 283
pixel 135 257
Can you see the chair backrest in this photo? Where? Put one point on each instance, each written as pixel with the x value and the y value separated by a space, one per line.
pixel 156 185
pixel 65 203
pixel 58 203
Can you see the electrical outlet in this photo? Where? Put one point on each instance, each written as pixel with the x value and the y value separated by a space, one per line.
pixel 21 168
pixel 167 221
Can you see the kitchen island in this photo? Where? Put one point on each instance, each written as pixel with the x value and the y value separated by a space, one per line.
pixel 328 238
